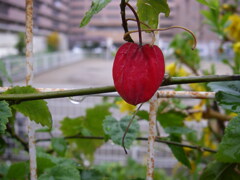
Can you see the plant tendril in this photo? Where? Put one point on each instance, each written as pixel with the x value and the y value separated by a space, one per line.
pixel 153 34
pixel 167 28
pixel 129 124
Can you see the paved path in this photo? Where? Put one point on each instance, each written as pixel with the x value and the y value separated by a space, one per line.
pixel 87 73
pixel 91 73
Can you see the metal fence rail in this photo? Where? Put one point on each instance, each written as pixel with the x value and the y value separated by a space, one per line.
pixel 16 66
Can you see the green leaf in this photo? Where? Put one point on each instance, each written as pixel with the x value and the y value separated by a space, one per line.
pixel 59 145
pixel 94 118
pixel 86 146
pixel 178 130
pixel 4 72
pixel 72 126
pixel 91 174
pixel 171 118
pixel 149 10
pixel 43 130
pixel 210 3
pixel 36 110
pixel 61 172
pixel 228 94
pixel 178 152
pixel 3 169
pixel 219 171
pixel 2 146
pixel 18 171
pixel 5 113
pixel 46 161
pixel 115 129
pixel 76 126
pixel 96 7
pixel 229 147
pixel 144 115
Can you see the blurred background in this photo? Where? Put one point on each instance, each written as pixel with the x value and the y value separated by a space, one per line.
pixel 67 56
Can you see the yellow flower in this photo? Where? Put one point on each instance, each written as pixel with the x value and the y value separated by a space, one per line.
pixel 198 112
pixel 233 114
pixel 182 72
pixel 197 87
pixel 236 47
pixel 233 30
pixel 207 142
pixel 173 70
pixel 125 107
pixel 225 6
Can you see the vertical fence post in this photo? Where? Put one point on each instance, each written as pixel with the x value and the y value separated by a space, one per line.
pixel 29 79
pixel 151 137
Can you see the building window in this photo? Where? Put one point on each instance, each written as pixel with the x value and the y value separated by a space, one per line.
pixel 4 8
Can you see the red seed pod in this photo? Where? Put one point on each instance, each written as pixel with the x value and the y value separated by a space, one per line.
pixel 138 72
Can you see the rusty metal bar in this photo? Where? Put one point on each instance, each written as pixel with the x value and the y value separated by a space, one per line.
pixel 151 137
pixel 29 79
pixel 186 94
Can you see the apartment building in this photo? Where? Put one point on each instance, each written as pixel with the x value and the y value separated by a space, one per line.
pixel 64 16
pixel 49 16
pixel 107 24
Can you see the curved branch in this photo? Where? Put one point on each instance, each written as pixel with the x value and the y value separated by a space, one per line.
pixel 90 91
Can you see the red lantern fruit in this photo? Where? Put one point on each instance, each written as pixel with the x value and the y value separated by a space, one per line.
pixel 138 72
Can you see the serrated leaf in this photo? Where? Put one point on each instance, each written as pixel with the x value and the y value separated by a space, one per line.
pixel 94 118
pixel 229 147
pixel 18 171
pixel 96 7
pixel 149 10
pixel 178 152
pixel 219 171
pixel 115 129
pixel 59 145
pixel 36 110
pixel 228 94
pixel 61 172
pixel 5 113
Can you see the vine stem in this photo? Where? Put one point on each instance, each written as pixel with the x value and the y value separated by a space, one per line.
pixel 157 139
pixel 29 79
pixel 151 137
pixel 129 124
pixel 60 93
pixel 124 22
pixel 138 23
